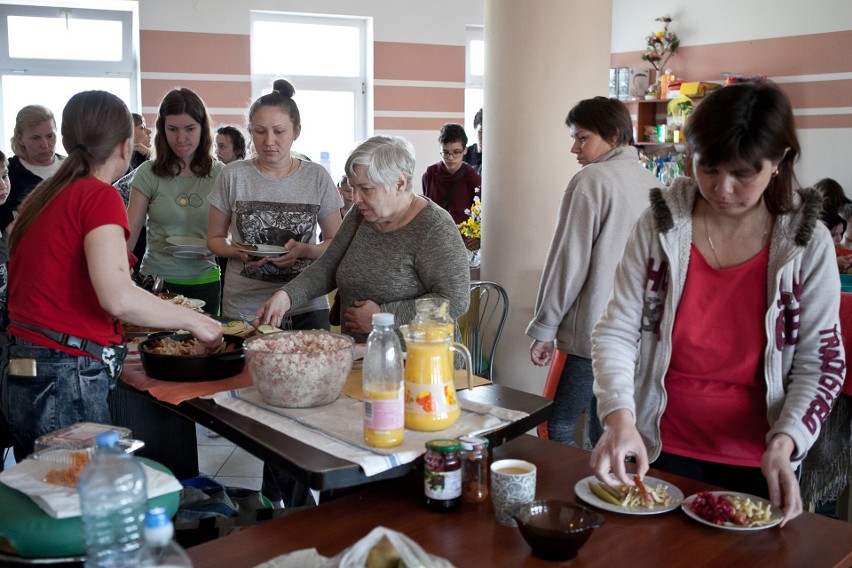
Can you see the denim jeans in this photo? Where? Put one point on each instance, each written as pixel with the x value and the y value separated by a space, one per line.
pixel 66 390
pixel 573 397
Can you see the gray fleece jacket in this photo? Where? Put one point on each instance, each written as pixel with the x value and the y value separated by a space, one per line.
pixel 598 211
pixel 804 363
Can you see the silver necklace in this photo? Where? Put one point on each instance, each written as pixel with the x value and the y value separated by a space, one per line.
pixel 710 240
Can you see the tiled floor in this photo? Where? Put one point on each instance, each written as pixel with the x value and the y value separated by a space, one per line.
pixel 223 461
pixel 217 458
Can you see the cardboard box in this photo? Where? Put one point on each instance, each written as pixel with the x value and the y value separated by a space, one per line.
pixel 697 88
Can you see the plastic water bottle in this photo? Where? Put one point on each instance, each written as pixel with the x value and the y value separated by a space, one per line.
pixel 325 161
pixel 384 405
pixel 113 499
pixel 159 548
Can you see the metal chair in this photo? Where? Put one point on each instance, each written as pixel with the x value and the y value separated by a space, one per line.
pixel 483 323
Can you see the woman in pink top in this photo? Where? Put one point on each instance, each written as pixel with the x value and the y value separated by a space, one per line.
pixel 719 355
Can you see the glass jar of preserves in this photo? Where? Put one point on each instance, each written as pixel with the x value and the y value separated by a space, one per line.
pixel 442 475
pixel 474 457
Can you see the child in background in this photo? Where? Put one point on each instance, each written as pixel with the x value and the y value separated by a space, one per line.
pixel 346 194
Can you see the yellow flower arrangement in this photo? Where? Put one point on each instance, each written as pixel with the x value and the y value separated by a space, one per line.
pixel 472 226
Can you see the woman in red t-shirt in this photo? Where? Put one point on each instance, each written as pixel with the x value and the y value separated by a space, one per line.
pixel 70 283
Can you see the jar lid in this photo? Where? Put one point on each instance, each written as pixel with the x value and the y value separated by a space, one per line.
pixel 443 445
pixel 473 442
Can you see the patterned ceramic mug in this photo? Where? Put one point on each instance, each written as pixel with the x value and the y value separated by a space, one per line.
pixel 512 485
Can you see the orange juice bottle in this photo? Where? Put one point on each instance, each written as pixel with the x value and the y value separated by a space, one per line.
pixel 384 417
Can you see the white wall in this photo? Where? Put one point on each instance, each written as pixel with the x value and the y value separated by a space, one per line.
pixel 722 21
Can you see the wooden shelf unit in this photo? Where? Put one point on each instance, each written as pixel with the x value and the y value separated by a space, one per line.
pixel 646 113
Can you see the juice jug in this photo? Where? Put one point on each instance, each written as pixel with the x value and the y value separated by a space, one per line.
pixel 430 392
pixel 433 317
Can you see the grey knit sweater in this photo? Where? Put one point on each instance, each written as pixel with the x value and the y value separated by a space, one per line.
pixel 425 258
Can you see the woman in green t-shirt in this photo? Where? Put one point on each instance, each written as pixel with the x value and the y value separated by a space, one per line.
pixel 172 191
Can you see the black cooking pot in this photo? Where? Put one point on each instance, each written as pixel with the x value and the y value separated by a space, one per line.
pixel 186 368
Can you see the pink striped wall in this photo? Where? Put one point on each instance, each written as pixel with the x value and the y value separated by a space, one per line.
pixel 814 54
pixel 228 54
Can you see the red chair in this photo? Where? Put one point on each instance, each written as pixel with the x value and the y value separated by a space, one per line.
pixel 552 382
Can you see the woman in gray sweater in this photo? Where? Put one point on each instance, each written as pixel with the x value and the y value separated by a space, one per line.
pixel 392 248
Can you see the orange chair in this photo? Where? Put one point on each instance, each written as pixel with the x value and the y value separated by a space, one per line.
pixel 553 376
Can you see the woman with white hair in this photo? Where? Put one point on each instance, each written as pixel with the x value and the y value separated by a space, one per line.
pixel 394 248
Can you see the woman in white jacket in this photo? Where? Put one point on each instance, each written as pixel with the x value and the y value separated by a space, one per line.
pixel 719 355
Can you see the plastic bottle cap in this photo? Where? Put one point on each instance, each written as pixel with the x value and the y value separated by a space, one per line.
pixel 159 529
pixel 156 517
pixel 108 438
pixel 383 319
pixel 323 155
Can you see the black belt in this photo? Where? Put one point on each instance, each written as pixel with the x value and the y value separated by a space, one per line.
pixel 94 349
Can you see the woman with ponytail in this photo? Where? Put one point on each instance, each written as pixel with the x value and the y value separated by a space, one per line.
pixel 69 281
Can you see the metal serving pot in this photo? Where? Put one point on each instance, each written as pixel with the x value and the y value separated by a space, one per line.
pixel 186 368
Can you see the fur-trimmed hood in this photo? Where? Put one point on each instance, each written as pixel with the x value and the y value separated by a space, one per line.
pixel 673 206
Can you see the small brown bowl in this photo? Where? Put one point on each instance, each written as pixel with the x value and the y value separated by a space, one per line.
pixel 555 529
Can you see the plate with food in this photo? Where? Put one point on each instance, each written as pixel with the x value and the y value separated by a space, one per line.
pixel 261 250
pixel 188 251
pixel 731 510
pixel 181 300
pixel 658 496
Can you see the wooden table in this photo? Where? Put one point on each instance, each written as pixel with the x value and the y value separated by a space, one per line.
pixel 471 537
pixel 169 429
pixel 322 471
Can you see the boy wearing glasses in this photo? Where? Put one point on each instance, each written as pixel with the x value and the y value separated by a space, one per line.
pixel 451 183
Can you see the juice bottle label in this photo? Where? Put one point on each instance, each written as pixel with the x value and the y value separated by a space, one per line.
pixel 383 410
pixel 431 399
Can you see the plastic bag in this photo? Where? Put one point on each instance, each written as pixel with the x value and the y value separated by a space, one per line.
pixel 410 552
pixel 356 555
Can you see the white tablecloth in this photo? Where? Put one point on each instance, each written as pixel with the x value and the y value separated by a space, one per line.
pixel 337 428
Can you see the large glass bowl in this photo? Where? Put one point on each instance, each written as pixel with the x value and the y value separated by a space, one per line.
pixel 300 369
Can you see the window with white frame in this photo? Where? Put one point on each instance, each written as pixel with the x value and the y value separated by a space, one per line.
pixel 49 53
pixel 326 62
pixel 474 76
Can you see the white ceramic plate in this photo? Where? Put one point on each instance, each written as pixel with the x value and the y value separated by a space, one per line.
pixel 187 251
pixel 581 488
pixel 775 519
pixel 187 241
pixel 267 250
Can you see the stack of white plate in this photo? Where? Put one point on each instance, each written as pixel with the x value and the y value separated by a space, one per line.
pixel 187 247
